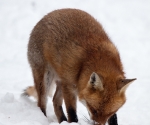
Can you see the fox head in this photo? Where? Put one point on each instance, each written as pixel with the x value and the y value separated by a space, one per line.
pixel 104 96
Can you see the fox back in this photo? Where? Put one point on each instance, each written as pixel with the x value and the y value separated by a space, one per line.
pixel 69 47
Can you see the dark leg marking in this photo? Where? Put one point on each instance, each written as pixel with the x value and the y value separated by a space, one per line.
pixel 113 120
pixel 72 115
pixel 43 110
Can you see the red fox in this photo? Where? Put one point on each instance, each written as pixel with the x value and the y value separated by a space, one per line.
pixel 69 47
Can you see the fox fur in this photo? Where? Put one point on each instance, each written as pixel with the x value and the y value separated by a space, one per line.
pixel 69 47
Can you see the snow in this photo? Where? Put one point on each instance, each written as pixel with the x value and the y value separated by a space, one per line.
pixel 127 23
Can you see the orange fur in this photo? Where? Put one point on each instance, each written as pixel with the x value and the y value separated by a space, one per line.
pixel 67 46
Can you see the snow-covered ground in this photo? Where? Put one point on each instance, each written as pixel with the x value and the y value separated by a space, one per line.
pixel 127 22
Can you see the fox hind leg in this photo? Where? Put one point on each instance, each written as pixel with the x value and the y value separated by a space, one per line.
pixel 40 88
pixel 42 81
pixel 70 99
pixel 57 103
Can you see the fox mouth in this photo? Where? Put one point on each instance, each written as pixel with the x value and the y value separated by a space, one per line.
pixel 86 119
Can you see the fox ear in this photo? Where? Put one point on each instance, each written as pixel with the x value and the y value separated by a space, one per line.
pixel 96 81
pixel 123 84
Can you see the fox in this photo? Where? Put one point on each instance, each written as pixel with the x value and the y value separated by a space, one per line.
pixel 69 48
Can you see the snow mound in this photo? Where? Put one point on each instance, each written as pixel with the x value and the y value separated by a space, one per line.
pixel 20 112
pixel 24 111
